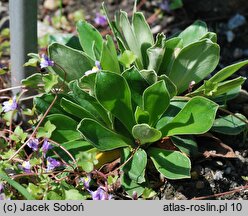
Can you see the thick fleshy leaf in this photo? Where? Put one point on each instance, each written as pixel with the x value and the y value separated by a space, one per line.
pixel 72 64
pixel 89 103
pixel 186 144
pixel 130 38
pixel 149 75
pixel 141 116
pixel 109 59
pixel 171 164
pixel 66 128
pixel 229 125
pixel 196 117
pixel 113 93
pixel 75 109
pixel 156 53
pixel 172 47
pixel 135 168
pixel 137 84
pixel 101 137
pixel 211 36
pixel 156 99
pixel 146 134
pixel 194 63
pixel 90 39
pixel 171 87
pixel 131 186
pixel 193 33
pixel 127 58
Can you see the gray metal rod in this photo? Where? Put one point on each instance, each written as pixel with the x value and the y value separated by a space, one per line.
pixel 23 37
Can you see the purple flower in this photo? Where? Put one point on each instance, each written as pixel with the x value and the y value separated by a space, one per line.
pixel 100 194
pixel 26 166
pixel 100 20
pixel 1 187
pixel 46 146
pixel 95 69
pixel 10 105
pixel 45 61
pixel 86 181
pixel 33 144
pixel 52 164
pixel 164 5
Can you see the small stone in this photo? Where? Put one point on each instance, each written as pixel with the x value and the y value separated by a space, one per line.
pixel 218 175
pixel 238 53
pixel 51 4
pixel 199 185
pixel 230 36
pixel 236 21
pixel 228 170
pixel 219 163
pixel 242 97
pixel 156 29
pixel 245 109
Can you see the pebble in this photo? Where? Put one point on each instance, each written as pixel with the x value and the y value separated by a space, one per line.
pixel 238 53
pixel 44 29
pixel 219 163
pixel 228 170
pixel 245 109
pixel 242 97
pixel 230 36
pixel 236 21
pixel 199 185
pixel 156 29
pixel 218 175
pixel 51 4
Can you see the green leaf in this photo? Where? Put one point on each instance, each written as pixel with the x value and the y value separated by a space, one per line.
pixel 186 144
pixel 137 84
pixel 49 80
pixel 75 109
pixel 156 53
pixel 148 193
pixel 109 59
pixel 141 116
pixel 18 135
pixel 193 33
pixel 90 39
pixel 171 87
pixel 127 58
pixel 87 160
pixel 135 168
pixel 73 194
pixel 17 186
pixel 146 134
pixel 89 103
pixel 131 186
pixel 172 46
pixel 190 119
pixel 130 38
pixel 156 99
pixel 143 35
pixel 175 4
pixel 31 62
pixel 66 129
pixel 228 85
pixel 194 63
pixel 211 36
pixel 149 75
pixel 225 73
pixel 33 81
pixel 73 62
pixel 113 92
pixel 46 131
pixel 101 137
pixel 229 125
pixel 171 164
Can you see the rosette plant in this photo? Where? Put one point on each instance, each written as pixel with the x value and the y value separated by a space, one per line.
pixel 139 96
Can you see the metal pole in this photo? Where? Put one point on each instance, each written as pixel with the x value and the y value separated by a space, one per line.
pixel 23 37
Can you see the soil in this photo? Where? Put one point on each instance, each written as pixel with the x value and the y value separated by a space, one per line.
pixel 213 177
